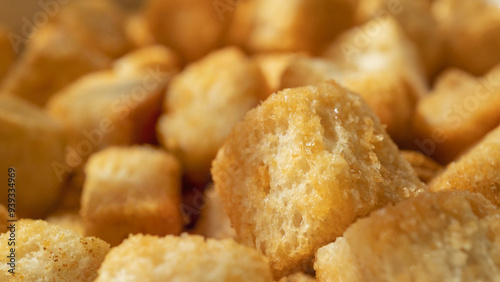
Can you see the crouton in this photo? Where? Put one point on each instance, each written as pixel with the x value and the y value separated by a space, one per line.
pixel 33 145
pixel 121 195
pixel 445 236
pixel 203 103
pixel 425 167
pixel 50 253
pixel 68 220
pixel 273 66
pixel 185 258
pixel 302 167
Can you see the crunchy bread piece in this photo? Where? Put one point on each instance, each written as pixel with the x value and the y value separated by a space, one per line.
pixel 121 195
pixel 46 252
pixel 191 27
pixel 298 277
pixel 457 113
pixel 68 220
pixel 185 258
pixel 417 21
pixel 33 144
pixel 53 58
pixel 289 25
pixel 477 171
pixel 147 59
pixel 213 221
pixel 204 102
pixel 446 236
pixel 302 167
pixel 425 167
pixel 273 66
pixel 7 55
pixel 470 29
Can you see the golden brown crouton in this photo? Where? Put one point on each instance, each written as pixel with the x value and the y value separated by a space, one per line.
pixel 33 145
pixel 477 171
pixel 7 55
pixel 46 252
pixel 417 21
pixel 459 111
pixel 52 59
pixel 425 167
pixel 203 103
pixel 471 31
pixel 213 221
pixel 191 27
pixel 289 25
pixel 131 190
pixel 185 258
pixel 302 167
pixel 446 236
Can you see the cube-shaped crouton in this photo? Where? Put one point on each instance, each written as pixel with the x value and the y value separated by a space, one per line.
pixel 446 236
pixel 53 58
pixel 47 252
pixel 425 167
pixel 131 190
pixel 184 258
pixel 32 144
pixel 289 25
pixel 192 28
pixel 459 111
pixel 417 21
pixel 7 55
pixel 477 171
pixel 204 102
pixel 470 29
pixel 302 167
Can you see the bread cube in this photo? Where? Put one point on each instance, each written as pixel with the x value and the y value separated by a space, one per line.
pixel 273 66
pixel 203 103
pixel 185 258
pixel 33 144
pixel 192 28
pixel 459 111
pixel 7 55
pixel 50 253
pixel 446 236
pixel 470 30
pixel 425 167
pixel 289 25
pixel 149 58
pixel 301 167
pixel 131 190
pixel 476 171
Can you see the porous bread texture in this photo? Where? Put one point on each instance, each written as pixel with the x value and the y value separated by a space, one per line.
pixel 289 25
pixel 184 258
pixel 46 252
pixel 131 190
pixel 385 70
pixel 459 112
pixel 416 20
pixel 52 59
pixel 425 167
pixel 470 30
pixel 33 145
pixel 302 167
pixel 445 236
pixel 7 54
pixel 203 103
pixel 192 28
pixel 476 171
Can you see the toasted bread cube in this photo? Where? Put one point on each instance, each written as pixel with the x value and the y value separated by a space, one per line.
pixel 204 102
pixel 459 111
pixel 52 59
pixel 298 277
pixel 47 252
pixel 185 258
pixel 7 55
pixel 99 24
pixel 302 167
pixel 471 31
pixel 33 145
pixel 476 171
pixel 445 236
pixel 418 23
pixel 148 58
pixel 131 190
pixel 425 167
pixel 191 27
pixel 289 25
pixel 213 221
